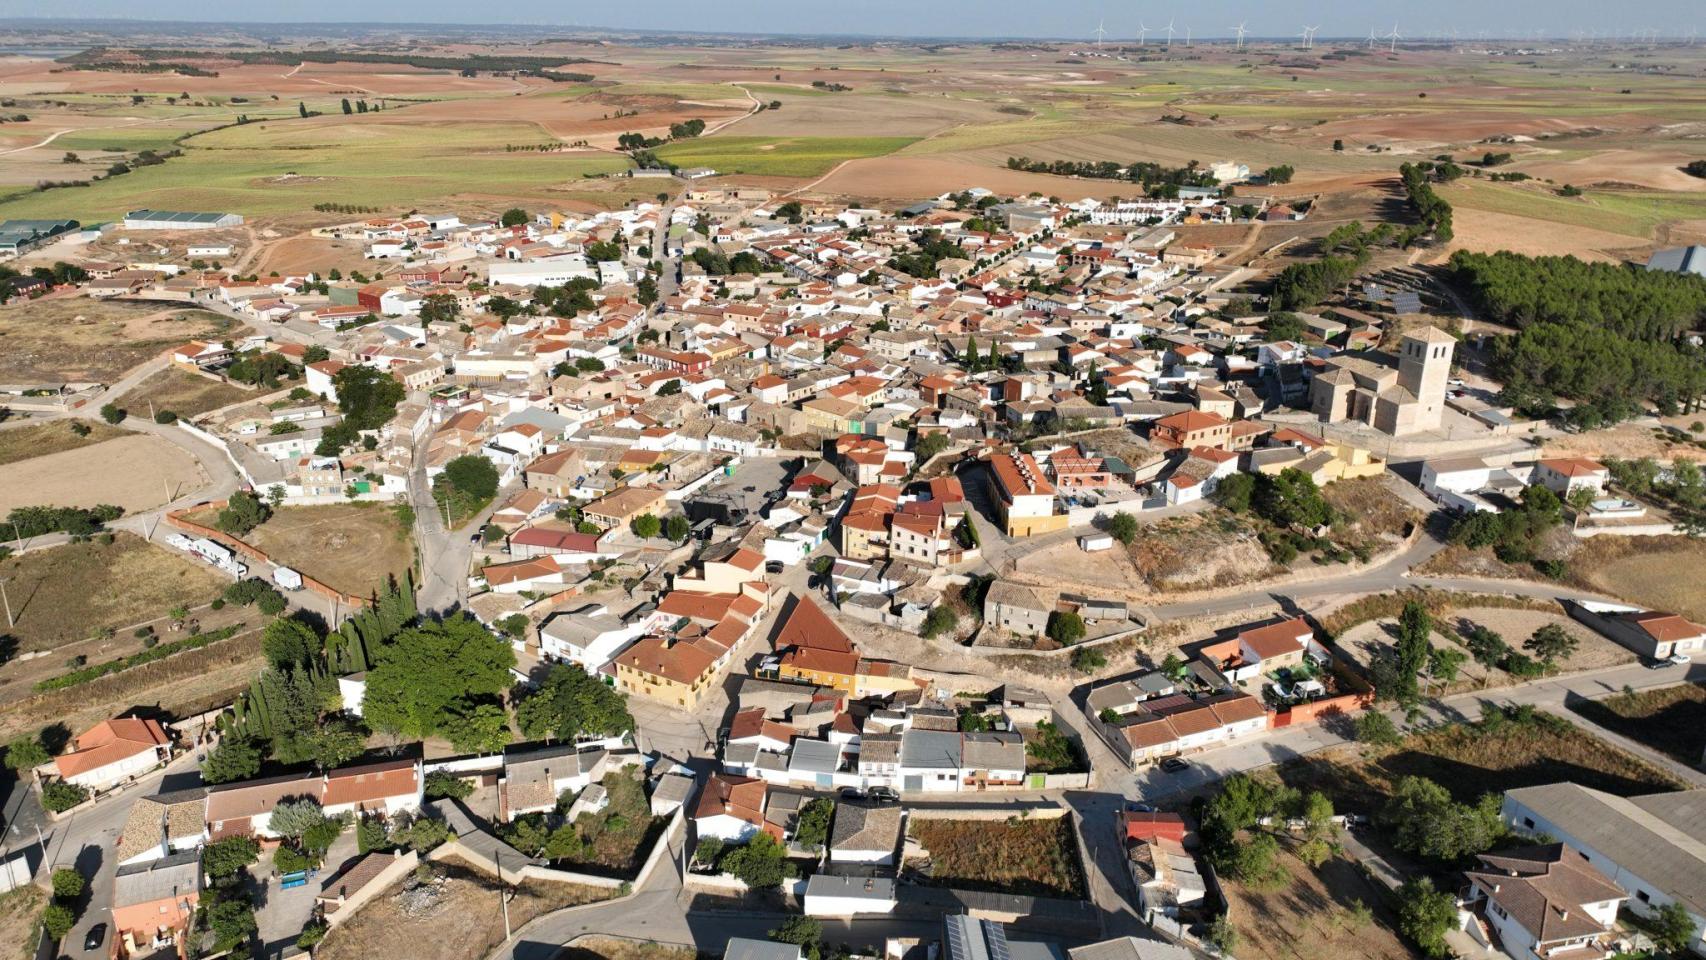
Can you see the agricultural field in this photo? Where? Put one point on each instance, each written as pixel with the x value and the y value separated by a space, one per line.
pixel 1660 573
pixel 453 914
pixel 1031 857
pixel 357 548
pixel 63 339
pixel 23 440
pixel 1671 720
pixel 136 471
pixel 183 393
pixel 777 157
pixel 77 590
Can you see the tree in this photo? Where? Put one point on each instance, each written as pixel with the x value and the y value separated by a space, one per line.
pixel 938 621
pixel 466 484
pixel 1445 662
pixel 1425 914
pixel 440 784
pixel 231 918
pixel 1252 861
pixel 26 753
pixel 812 829
pixel 1672 929
pixel 68 884
pixel 113 414
pixel 1222 934
pixel 347 108
pixel 1065 628
pixel 759 864
pixel 1425 819
pixel 428 671
pixel 235 758
pixel 58 918
pixel 514 217
pixel 1088 660
pixel 570 703
pixel 646 526
pixel 1235 492
pixel 440 308
pixel 367 397
pixel 1285 325
pixel 803 932
pixel 228 857
pixel 289 642
pixel 1123 527
pixel 929 445
pixel 1551 643
pixel 1415 624
pixel 1377 729
pixel 1487 647
pixel 1291 499
pixel 59 796
pixel 677 528
pixel 293 819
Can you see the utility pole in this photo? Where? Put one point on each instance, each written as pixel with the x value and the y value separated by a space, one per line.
pixel 10 623
pixel 503 891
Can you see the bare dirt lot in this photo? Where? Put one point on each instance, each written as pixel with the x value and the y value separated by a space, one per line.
pixel 353 547
pixel 185 394
pixel 1661 573
pixel 1311 916
pixel 615 948
pixel 135 472
pixel 73 591
pixel 23 440
pixel 1362 642
pixel 454 915
pixel 63 339
pixel 20 921
pixel 297 255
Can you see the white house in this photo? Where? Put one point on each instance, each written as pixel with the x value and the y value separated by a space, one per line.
pixel 1565 475
pixel 1652 847
pixel 731 809
pixel 1455 475
pixel 831 896
pixel 1545 901
pixel 589 637
pixel 113 751
pixel 866 833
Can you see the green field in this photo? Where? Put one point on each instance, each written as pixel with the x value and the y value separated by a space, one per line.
pixel 1629 212
pixel 778 156
pixel 334 160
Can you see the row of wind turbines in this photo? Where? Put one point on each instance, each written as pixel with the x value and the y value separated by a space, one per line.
pixel 1307 35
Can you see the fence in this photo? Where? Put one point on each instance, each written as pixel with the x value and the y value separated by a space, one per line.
pixel 534 871
pixel 180 520
pixel 381 882
pixel 19 868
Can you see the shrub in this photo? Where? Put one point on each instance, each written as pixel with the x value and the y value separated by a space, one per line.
pixel 68 884
pixel 59 796
pixel 58 919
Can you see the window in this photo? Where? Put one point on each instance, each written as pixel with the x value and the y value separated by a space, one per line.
pixel 1642 896
pixel 1528 822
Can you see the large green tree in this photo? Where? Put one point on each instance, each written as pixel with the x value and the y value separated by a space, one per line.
pixel 429 675
pixel 571 703
pixel 367 397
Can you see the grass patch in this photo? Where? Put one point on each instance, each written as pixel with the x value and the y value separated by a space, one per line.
pixel 1030 857
pixel 1671 720
pixel 75 591
pixel 20 918
pixel 618 838
pixel 52 436
pixel 778 156
pixel 185 394
pixel 616 948
pixel 1657 573
pixel 1628 212
pixel 77 678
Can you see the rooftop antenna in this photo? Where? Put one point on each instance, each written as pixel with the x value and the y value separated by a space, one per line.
pixel 1170 33
pixel 1099 32
pixel 1240 29
pixel 1392 47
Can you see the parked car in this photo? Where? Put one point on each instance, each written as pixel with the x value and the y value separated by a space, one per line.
pixel 1175 764
pixel 884 794
pixel 773 566
pixel 97 933
pixel 1680 659
pixel 852 793
pixel 1132 806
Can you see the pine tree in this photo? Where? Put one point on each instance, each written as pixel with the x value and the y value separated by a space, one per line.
pixel 347 108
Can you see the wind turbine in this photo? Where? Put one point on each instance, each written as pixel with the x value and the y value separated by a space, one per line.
pixel 1240 30
pixel 1142 33
pixel 1099 33
pixel 1394 38
pixel 1170 33
pixel 1371 38
pixel 1303 38
pixel 1188 36
pixel 1309 37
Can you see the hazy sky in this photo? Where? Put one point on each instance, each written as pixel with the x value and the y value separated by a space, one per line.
pixel 963 18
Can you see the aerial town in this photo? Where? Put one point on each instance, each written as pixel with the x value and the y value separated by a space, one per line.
pixel 812 541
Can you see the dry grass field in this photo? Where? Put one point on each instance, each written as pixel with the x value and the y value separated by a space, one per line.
pixel 1028 857
pixel 74 591
pixel 23 440
pixel 185 394
pixel 1671 720
pixel 354 547
pixel 20 921
pixel 135 471
pixel 64 339
pixel 1661 573
pixel 615 948
pixel 457 916
pixel 1311 916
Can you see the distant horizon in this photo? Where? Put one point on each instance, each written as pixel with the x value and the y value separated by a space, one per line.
pixel 877 20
